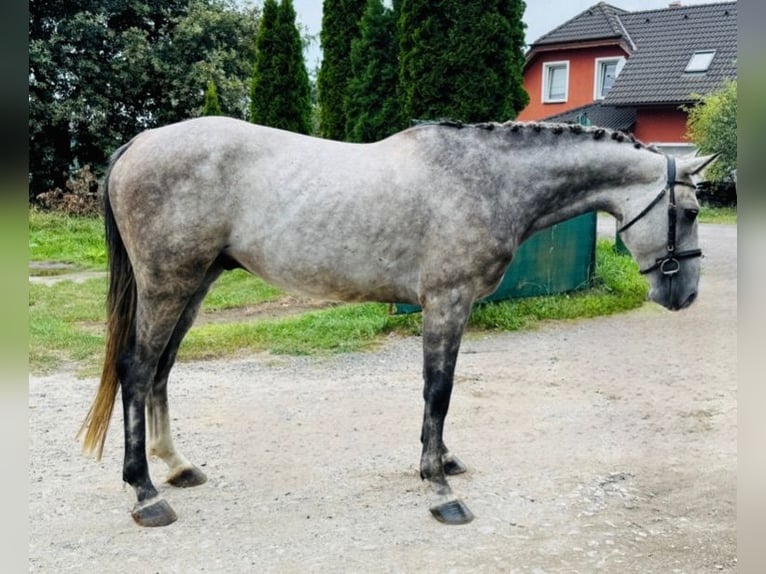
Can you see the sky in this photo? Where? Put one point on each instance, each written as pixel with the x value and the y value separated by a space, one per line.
pixel 541 16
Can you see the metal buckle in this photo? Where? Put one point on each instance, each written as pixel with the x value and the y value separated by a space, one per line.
pixel 669 266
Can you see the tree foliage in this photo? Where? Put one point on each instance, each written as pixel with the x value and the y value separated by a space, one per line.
pixel 712 126
pixel 461 59
pixel 212 106
pixel 281 92
pixel 100 72
pixel 214 42
pixel 340 25
pixel 372 108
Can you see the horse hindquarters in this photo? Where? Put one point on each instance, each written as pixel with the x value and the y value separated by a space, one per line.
pixel 152 302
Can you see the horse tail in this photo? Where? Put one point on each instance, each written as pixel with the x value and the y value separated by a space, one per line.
pixel 120 325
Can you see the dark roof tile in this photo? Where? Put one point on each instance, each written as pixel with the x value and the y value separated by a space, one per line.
pixel 599 114
pixel 596 23
pixel 665 42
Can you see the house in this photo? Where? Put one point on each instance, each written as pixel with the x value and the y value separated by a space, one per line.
pixel 632 71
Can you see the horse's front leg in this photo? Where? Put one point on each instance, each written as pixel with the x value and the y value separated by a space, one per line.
pixel 443 324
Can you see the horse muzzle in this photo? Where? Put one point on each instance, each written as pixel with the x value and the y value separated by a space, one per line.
pixel 685 303
pixel 674 299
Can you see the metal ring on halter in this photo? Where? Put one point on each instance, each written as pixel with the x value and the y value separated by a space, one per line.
pixel 670 266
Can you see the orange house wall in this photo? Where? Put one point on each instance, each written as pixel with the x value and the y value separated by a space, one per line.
pixel 582 72
pixel 661 125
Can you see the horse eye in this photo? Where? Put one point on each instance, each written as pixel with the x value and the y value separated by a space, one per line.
pixel 691 214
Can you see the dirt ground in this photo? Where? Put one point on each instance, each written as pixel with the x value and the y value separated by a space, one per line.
pixel 602 445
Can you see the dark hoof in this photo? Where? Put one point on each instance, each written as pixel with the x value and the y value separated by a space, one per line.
pixel 453 465
pixel 452 512
pixel 156 514
pixel 188 477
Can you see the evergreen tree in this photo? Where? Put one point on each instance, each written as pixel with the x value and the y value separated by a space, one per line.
pixel 281 93
pixel 461 59
pixel 424 75
pixel 263 109
pixel 340 25
pixel 212 107
pixel 372 108
pixel 513 11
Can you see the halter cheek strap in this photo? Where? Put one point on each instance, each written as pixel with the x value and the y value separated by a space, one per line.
pixel 670 264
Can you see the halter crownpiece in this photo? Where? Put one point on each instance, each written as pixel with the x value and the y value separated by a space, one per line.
pixel 669 264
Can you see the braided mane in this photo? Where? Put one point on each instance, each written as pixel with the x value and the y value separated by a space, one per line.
pixel 595 132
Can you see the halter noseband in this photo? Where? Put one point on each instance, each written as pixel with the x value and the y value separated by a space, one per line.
pixel 668 265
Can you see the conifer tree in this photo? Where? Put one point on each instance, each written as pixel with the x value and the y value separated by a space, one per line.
pixel 372 108
pixel 461 59
pixel 263 109
pixel 281 93
pixel 212 107
pixel 340 25
pixel 513 11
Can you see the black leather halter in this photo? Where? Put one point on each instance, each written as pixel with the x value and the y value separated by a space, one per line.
pixel 670 263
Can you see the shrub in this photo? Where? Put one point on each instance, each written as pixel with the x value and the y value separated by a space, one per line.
pixel 712 126
pixel 81 196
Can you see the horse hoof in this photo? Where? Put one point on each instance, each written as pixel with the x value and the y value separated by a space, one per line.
pixel 452 512
pixel 453 465
pixel 158 513
pixel 187 477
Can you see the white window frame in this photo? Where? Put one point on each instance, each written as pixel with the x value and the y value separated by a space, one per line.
pixel 600 64
pixel 546 72
pixel 700 61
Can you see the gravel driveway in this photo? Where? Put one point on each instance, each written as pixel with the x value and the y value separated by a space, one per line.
pixel 600 445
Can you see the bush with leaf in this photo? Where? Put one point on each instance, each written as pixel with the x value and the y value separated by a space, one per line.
pixel 712 126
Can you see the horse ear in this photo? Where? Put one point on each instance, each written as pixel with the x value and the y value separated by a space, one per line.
pixel 695 165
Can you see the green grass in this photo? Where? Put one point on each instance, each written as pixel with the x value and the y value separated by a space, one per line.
pixel 67 239
pixel 66 324
pixel 718 214
pixel 237 289
pixel 341 329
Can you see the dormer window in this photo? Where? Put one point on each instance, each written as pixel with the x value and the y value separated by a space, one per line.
pixel 607 70
pixel 700 62
pixel 555 81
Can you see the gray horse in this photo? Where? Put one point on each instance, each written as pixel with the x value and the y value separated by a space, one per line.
pixel 429 216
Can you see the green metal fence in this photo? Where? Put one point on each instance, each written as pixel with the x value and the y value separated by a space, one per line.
pixel 557 259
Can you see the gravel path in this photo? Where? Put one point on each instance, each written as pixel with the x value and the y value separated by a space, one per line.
pixel 602 445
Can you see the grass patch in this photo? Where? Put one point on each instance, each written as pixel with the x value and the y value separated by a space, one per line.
pixel 239 288
pixel 726 215
pixel 66 324
pixel 66 238
pixel 341 329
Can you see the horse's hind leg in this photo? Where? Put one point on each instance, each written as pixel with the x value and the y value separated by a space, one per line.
pixel 443 322
pixel 181 472
pixel 157 315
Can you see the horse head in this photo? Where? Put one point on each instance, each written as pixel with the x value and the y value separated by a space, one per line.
pixel 662 236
